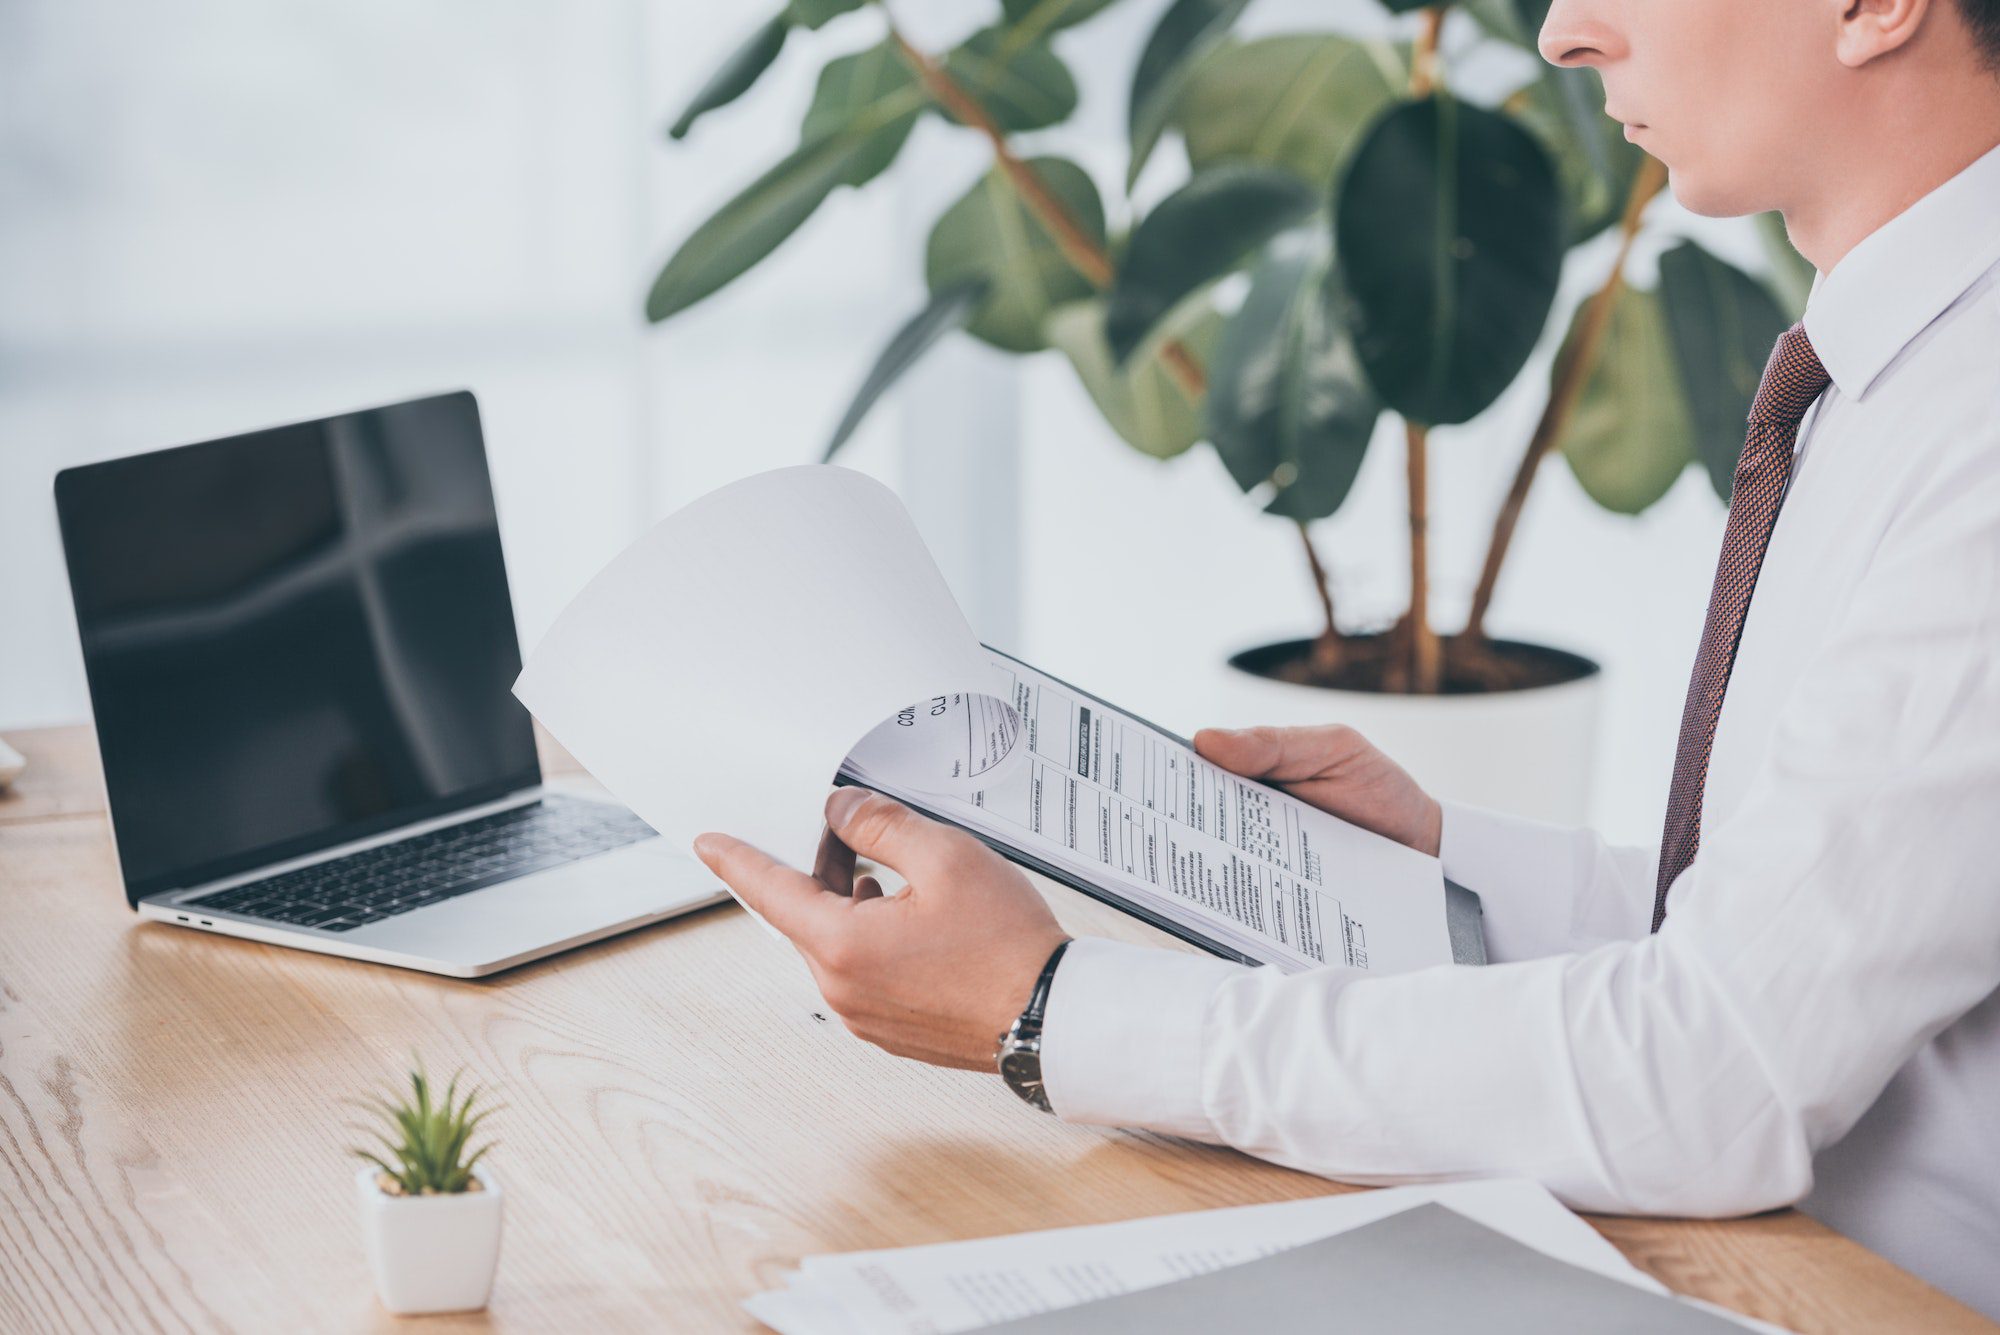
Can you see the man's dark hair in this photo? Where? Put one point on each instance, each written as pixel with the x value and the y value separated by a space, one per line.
pixel 1983 18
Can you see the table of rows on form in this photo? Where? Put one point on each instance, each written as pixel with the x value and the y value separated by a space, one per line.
pixel 1133 804
pixel 1162 775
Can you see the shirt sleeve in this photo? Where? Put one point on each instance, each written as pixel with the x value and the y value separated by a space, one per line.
pixel 1840 916
pixel 1546 890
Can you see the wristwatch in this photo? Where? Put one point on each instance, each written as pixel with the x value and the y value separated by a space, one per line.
pixel 1020 1055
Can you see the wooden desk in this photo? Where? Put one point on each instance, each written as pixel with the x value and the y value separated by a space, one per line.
pixel 683 1122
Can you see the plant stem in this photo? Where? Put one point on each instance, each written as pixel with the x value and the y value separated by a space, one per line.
pixel 1081 249
pixel 1423 57
pixel 1421 669
pixel 1180 363
pixel 1426 661
pixel 1329 648
pixel 1566 381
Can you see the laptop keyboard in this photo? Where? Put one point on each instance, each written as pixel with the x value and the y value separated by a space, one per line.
pixel 426 869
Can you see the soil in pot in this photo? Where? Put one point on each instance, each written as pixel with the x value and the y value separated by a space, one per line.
pixel 1368 663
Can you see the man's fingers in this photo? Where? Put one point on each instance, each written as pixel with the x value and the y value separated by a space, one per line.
pixel 1282 755
pixel 1246 751
pixel 794 903
pixel 833 865
pixel 867 887
pixel 884 829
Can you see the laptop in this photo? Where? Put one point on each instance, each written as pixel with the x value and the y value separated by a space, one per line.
pixel 301 653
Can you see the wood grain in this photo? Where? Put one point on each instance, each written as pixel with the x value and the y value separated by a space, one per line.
pixel 683 1122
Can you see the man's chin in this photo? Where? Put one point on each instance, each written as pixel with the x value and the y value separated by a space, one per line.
pixel 1712 199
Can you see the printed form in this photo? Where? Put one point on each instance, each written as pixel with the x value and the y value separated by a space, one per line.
pixel 1114 801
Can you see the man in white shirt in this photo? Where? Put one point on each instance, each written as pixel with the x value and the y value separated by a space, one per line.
pixel 1817 1019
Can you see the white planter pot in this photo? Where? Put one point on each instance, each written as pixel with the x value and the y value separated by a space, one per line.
pixel 1527 752
pixel 431 1253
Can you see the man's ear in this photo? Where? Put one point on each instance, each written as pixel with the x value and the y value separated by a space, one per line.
pixel 1871 29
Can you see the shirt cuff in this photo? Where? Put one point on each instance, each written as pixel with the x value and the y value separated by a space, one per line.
pixel 1524 874
pixel 1122 1038
pixel 1544 889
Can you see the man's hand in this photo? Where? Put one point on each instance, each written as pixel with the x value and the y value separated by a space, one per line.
pixel 1337 770
pixel 937 972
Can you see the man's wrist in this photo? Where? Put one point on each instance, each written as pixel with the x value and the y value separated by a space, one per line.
pixel 1018 1055
pixel 1430 838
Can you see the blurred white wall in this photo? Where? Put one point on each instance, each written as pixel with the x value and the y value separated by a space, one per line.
pixel 220 214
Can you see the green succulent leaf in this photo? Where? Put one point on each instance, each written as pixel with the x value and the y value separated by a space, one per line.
pixel 1595 163
pixel 860 115
pixel 1143 401
pixel 948 308
pixel 1298 102
pixel 752 225
pixel 1287 403
pixel 873 98
pixel 1792 274
pixel 1516 21
pixel 1497 18
pixel 989 234
pixel 733 78
pixel 1531 14
pixel 1628 440
pixel 427 1153
pixel 1022 87
pixel 1195 235
pixel 1449 234
pixel 1188 28
pixel 1406 6
pixel 1043 16
pixel 818 13
pixel 1723 324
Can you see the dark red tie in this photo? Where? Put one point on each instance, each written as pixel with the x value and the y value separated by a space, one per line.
pixel 1792 380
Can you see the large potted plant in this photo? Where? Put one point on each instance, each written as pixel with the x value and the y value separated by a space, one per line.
pixel 1403 247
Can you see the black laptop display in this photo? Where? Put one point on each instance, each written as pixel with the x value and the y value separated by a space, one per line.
pixel 295 638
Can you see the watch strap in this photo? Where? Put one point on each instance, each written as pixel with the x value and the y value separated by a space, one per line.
pixel 1038 1000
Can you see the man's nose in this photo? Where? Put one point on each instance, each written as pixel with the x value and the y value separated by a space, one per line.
pixel 1580 32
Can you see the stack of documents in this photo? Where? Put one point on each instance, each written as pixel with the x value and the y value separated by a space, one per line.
pixel 792 626
pixel 1379 1252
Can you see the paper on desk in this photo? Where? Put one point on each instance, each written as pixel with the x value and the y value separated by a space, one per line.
pixel 1424 1271
pixel 714 675
pixel 961 1286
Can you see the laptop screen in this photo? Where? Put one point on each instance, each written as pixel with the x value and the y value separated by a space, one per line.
pixel 295 638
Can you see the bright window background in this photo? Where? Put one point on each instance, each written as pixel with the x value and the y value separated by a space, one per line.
pixel 220 214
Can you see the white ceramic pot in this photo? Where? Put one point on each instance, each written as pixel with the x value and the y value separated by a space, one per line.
pixel 1528 752
pixel 431 1253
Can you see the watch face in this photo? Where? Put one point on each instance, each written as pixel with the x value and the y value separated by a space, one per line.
pixel 1022 1070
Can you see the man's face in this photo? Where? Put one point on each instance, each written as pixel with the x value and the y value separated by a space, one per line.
pixel 1734 96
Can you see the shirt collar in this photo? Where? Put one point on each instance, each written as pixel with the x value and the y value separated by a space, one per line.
pixel 1902 276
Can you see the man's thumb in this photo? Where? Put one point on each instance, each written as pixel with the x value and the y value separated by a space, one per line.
pixel 1246 751
pixel 881 828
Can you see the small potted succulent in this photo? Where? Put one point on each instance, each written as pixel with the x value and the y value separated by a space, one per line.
pixel 429 1211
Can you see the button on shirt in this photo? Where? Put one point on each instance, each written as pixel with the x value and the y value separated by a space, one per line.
pixel 1818 1020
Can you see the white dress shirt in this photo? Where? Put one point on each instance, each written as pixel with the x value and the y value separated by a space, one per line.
pixel 1818 1021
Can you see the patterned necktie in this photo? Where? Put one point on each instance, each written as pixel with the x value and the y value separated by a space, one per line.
pixel 1792 380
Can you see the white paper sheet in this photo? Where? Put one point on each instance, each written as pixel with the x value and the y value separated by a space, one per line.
pixel 714 675
pixel 961 1286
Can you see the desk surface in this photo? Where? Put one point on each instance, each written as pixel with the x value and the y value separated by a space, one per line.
pixel 683 1122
